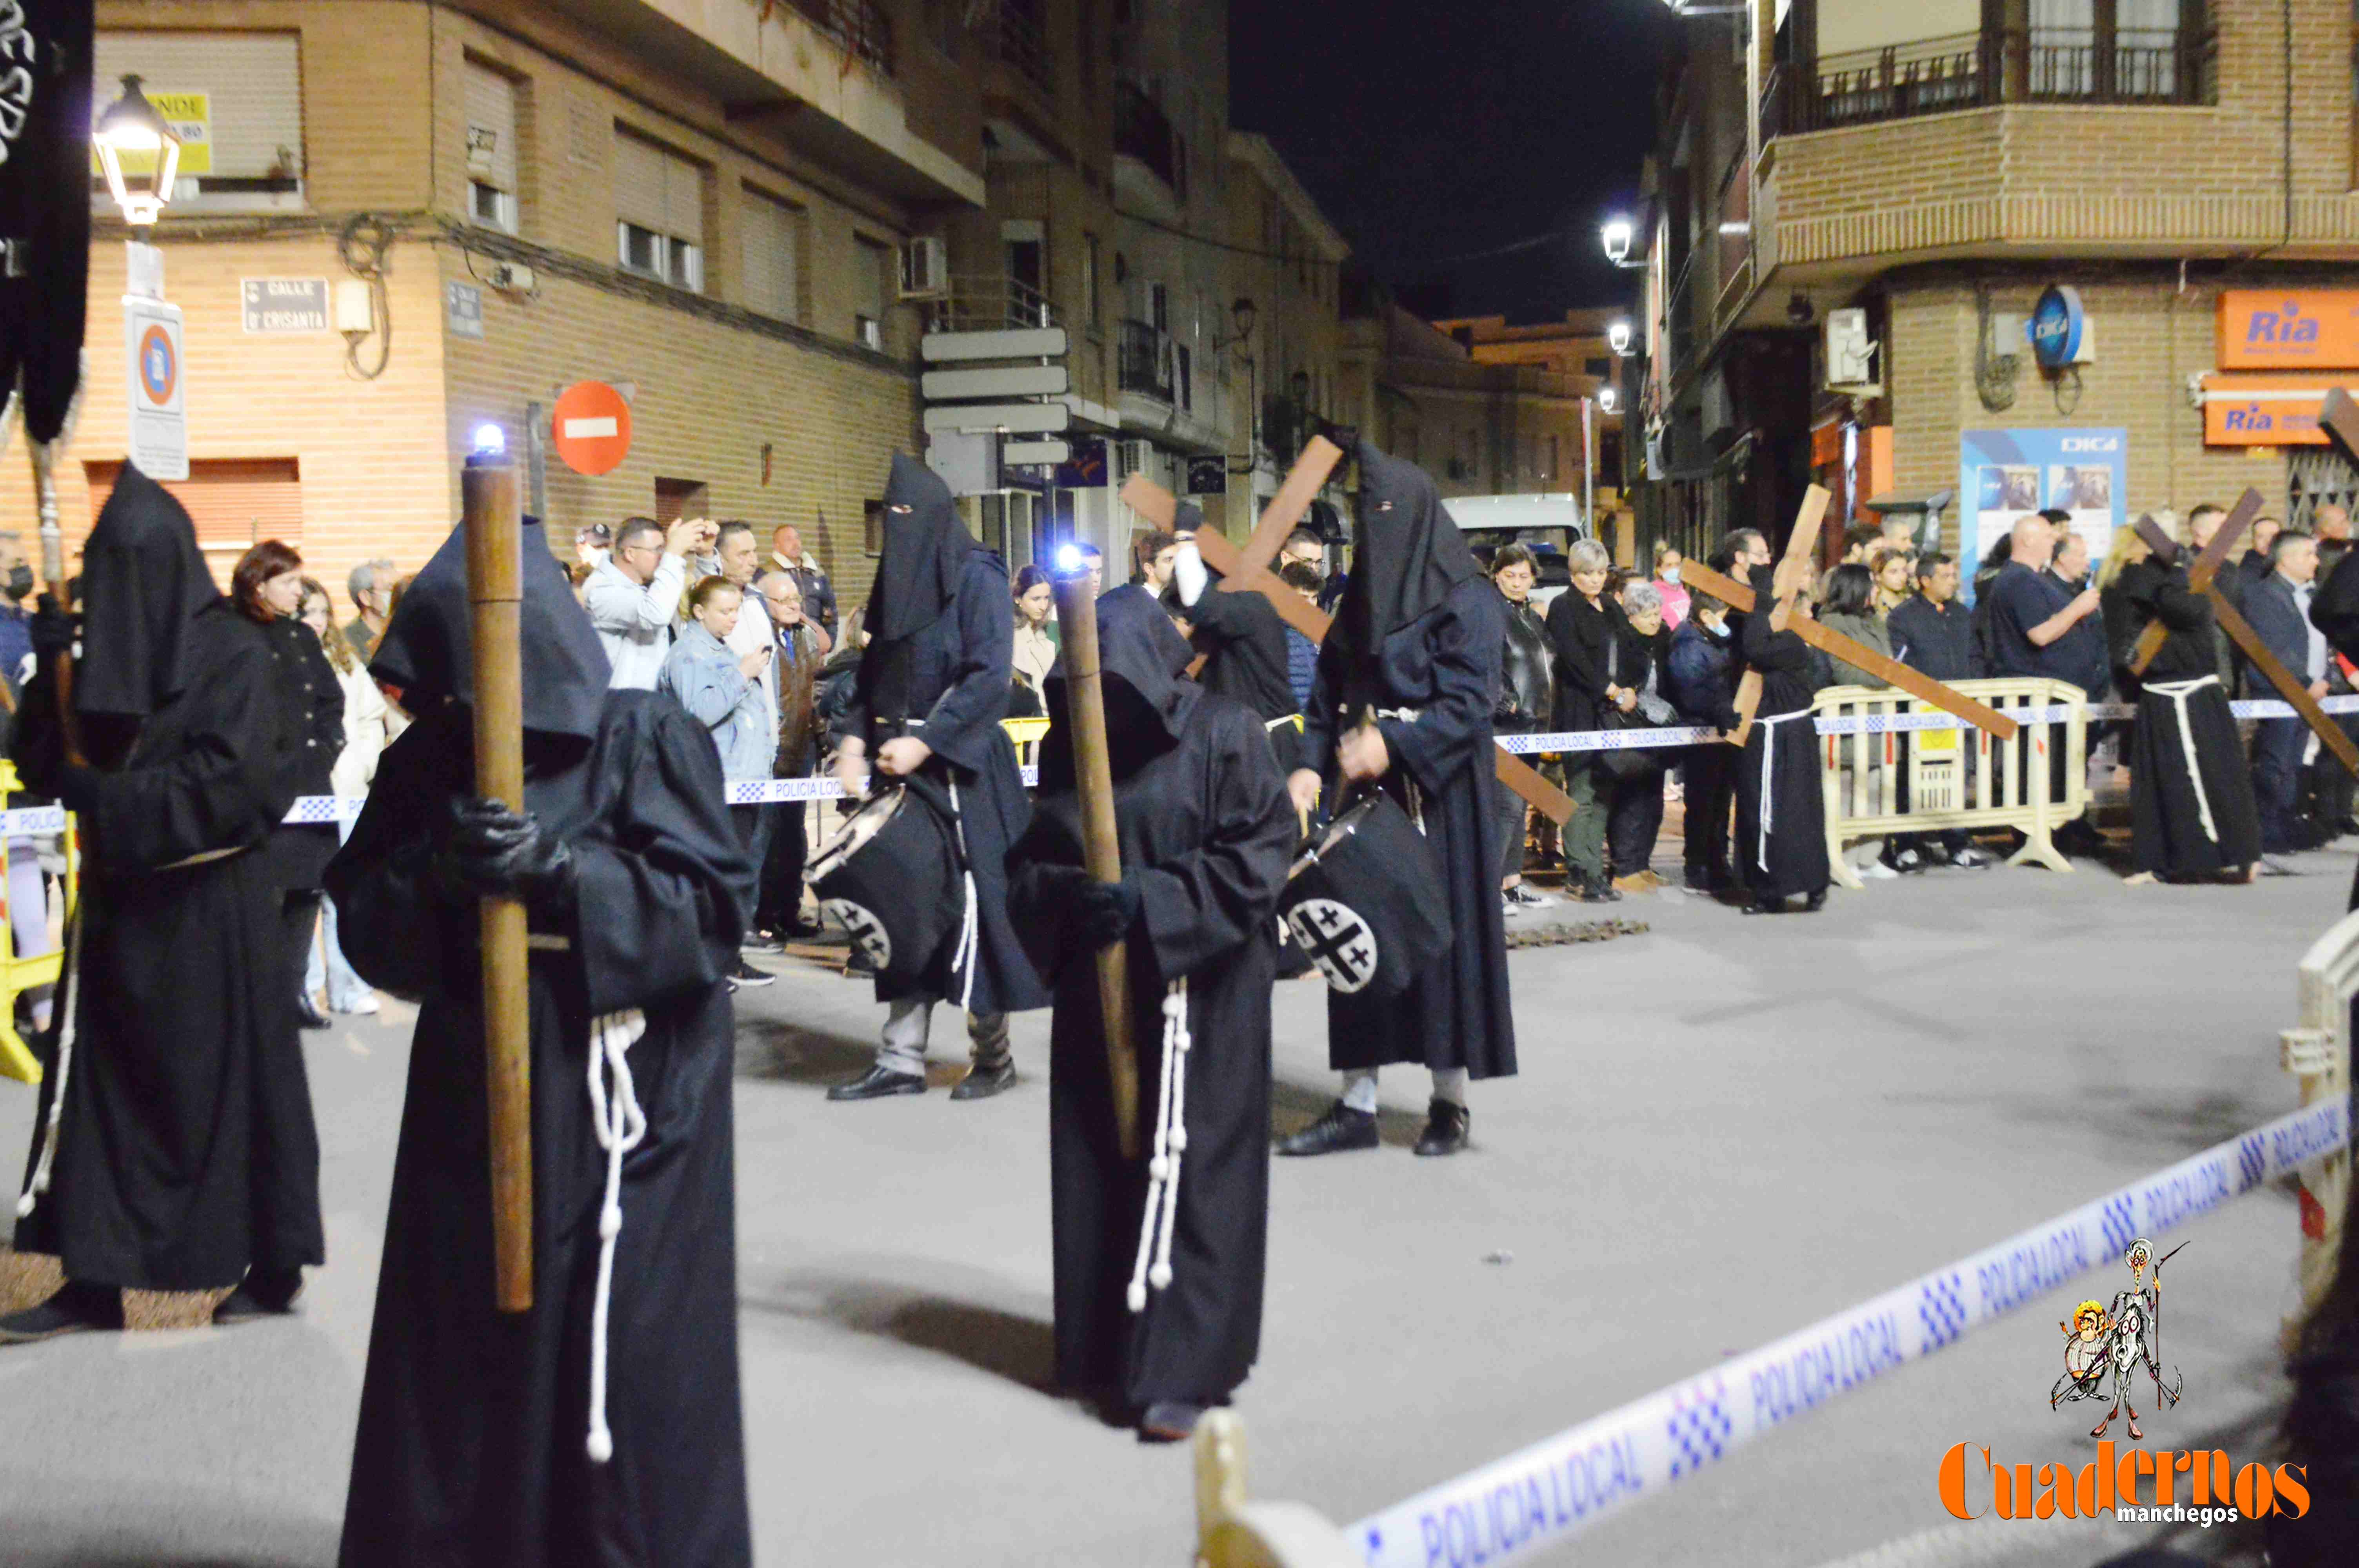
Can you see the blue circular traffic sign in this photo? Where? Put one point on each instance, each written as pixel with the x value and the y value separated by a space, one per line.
pixel 159 371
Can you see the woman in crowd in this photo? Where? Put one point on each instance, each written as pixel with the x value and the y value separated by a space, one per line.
pixel 1668 563
pixel 1582 625
pixel 1852 608
pixel 1641 653
pixel 1895 571
pixel 266 588
pixel 721 689
pixel 1036 638
pixel 1526 698
pixel 356 765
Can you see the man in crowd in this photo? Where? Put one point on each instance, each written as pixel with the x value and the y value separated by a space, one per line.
pixel 1094 559
pixel 635 593
pixel 1157 553
pixel 1304 547
pixel 801 649
pixel 592 544
pixel 1301 653
pixel 2258 561
pixel 2332 526
pixel 738 555
pixel 1933 634
pixel 1702 683
pixel 370 588
pixel 786 554
pixel 15 621
pixel 2041 627
pixel 2279 608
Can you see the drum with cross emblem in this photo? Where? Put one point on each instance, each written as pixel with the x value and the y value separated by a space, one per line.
pixel 890 876
pixel 1367 903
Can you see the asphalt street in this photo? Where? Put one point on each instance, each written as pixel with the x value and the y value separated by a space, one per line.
pixel 1724 1128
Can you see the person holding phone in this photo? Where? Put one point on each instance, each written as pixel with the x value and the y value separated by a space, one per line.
pixel 721 689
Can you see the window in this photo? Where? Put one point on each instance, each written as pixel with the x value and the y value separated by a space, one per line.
pixel 1090 282
pixel 871 286
pixel 491 148
pixel 236 99
pixel 1552 455
pixel 1158 306
pixel 658 213
pixel 1601 369
pixel 771 237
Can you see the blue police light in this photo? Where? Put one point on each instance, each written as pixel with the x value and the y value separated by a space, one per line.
pixel 1068 560
pixel 490 440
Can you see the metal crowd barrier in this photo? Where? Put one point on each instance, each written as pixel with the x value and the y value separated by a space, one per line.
pixel 1544 1495
pixel 20 973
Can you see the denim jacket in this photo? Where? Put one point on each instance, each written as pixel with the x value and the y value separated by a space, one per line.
pixel 701 674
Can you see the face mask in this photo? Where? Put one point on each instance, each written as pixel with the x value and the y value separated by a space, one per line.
pixel 1670 574
pixel 1713 629
pixel 20 580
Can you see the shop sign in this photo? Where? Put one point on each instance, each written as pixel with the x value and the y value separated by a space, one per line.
pixel 2003 474
pixel 2276 411
pixel 1208 476
pixel 191 116
pixel 2290 328
pixel 2056 322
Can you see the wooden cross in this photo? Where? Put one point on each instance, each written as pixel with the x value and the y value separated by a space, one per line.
pixel 1792 568
pixel 1302 485
pixel 1890 670
pixel 1158 507
pixel 2199 576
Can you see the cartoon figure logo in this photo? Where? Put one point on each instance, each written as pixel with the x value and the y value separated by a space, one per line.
pixel 2102 1344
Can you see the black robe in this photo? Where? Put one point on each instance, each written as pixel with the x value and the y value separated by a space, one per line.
pixel 2168 835
pixel 1243 644
pixel 1206 826
pixel 1445 665
pixel 1789 856
pixel 956 693
pixel 471 1449
pixel 186 1149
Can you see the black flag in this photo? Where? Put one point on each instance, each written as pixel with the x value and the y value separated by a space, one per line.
pixel 45 120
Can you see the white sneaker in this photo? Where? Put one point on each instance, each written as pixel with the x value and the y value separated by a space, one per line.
pixel 1878 872
pixel 362 1008
pixel 1529 896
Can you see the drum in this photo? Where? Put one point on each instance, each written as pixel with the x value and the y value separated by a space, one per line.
pixel 890 876
pixel 1367 902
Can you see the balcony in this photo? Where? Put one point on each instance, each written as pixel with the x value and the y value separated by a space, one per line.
pixel 987 303
pixel 1973 70
pixel 1143 137
pixel 859 27
pixel 1015 35
pixel 1144 365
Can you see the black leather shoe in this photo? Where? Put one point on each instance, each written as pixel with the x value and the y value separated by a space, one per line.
pixel 981 1083
pixel 1815 903
pixel 1445 1128
pixel 1765 905
pixel 878 1083
pixel 309 1012
pixel 264 1293
pixel 1342 1127
pixel 76 1309
pixel 1169 1420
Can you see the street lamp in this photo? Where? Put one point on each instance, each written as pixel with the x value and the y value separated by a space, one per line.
pixel 1243 314
pixel 1618 339
pixel 1618 235
pixel 1609 400
pixel 130 124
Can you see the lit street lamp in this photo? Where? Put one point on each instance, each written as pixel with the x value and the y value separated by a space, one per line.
pixel 1618 338
pixel 132 125
pixel 1609 399
pixel 1617 234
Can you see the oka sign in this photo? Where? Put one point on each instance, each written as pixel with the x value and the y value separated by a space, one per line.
pixel 2055 327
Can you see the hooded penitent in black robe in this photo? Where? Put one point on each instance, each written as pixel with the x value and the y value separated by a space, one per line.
pixel 185 1149
pixel 1418 630
pixel 2185 821
pixel 472 1452
pixel 1206 833
pixel 2334 611
pixel 937 666
pixel 1781 826
pixel 1242 640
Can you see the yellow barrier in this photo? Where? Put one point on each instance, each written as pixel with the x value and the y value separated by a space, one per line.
pixel 1025 733
pixel 18 975
pixel 1957 777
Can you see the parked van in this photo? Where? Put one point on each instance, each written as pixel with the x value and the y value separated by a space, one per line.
pixel 1546 525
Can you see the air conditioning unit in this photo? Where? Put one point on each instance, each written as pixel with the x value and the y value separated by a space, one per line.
pixel 1132 458
pixel 925 268
pixel 1851 353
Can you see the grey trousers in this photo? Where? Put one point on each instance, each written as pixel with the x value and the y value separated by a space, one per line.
pixel 910 1022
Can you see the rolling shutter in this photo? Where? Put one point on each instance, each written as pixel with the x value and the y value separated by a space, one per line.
pixel 772 238
pixel 233 502
pixel 254 88
pixel 491 128
pixel 658 189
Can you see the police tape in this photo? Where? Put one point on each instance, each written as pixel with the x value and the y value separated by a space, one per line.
pixel 1542 1495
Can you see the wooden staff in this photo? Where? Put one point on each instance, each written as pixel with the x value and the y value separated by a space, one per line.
pixel 1077 616
pixel 496 592
pixel 54 578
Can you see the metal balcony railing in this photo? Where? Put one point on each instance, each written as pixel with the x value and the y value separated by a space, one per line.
pixel 1014 33
pixel 1144 362
pixel 1967 70
pixel 988 303
pixel 859 28
pixel 1141 130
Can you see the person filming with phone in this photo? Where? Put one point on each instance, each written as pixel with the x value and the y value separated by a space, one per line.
pixel 633 596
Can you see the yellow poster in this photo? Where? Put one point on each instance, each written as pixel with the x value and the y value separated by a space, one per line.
pixel 191 116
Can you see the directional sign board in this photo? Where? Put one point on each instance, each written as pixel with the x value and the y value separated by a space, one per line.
pixel 159 432
pixel 1000 381
pixel 1013 343
pixel 1026 418
pixel 590 427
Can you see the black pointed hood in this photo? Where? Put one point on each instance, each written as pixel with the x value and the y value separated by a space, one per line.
pixel 428 651
pixel 925 552
pixel 1407 553
pixel 142 582
pixel 1142 658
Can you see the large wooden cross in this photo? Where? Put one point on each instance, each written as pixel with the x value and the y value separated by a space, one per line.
pixel 1249 569
pixel 2207 566
pixel 1793 568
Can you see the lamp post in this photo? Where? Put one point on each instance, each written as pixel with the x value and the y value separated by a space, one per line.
pixel 1242 317
pixel 132 127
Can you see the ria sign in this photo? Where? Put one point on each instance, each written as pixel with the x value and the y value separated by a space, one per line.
pixel 2056 326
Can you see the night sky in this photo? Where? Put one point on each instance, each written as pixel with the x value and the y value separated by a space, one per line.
pixel 1430 129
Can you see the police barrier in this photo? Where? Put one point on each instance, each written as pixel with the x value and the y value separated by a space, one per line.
pixel 1544 1495
pixel 21 974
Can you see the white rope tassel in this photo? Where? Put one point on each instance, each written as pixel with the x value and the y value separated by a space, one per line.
pixel 970 932
pixel 1171 1143
pixel 616 1116
pixel 2179 692
pixel 40 1184
pixel 1767 816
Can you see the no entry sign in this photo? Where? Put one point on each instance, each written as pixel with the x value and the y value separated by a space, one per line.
pixel 590 428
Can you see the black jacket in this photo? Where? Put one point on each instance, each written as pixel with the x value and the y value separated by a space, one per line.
pixel 1526 704
pixel 1935 641
pixel 1579 635
pixel 1700 677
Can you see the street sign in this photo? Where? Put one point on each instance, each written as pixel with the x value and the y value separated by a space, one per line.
pixel 158 425
pixel 590 427
pixel 462 309
pixel 1017 343
pixel 1003 380
pixel 1208 476
pixel 1035 452
pixel 1028 417
pixel 284 304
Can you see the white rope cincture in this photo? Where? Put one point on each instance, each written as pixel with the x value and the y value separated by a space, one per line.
pixel 2179 692
pixel 1161 1215
pixel 38 1184
pixel 962 959
pixel 620 1123
pixel 1767 815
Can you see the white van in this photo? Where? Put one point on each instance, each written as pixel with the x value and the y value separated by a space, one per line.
pixel 1546 525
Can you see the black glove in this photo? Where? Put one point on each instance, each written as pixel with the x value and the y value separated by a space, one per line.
pixel 1103 912
pixel 52 630
pixel 492 851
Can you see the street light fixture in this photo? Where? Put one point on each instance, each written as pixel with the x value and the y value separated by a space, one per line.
pixel 1609 400
pixel 1618 235
pixel 1618 338
pixel 132 125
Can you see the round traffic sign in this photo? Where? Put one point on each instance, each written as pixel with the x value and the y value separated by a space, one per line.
pixel 159 370
pixel 590 427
